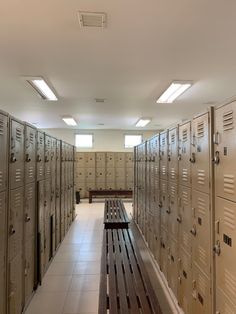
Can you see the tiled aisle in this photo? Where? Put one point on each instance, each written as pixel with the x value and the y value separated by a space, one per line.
pixel 71 284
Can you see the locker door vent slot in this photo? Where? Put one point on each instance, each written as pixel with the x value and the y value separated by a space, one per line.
pixel 185 135
pixel 200 298
pixel 200 129
pixel 227 240
pixel 1 127
pixel 172 138
pixel 18 135
pixel 229 218
pixel 185 274
pixel 228 121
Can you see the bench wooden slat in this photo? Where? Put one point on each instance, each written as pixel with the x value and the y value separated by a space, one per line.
pixel 115 215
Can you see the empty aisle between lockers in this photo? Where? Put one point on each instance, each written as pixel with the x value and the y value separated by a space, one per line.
pixel 36 209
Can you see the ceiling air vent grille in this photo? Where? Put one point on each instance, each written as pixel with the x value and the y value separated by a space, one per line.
pixel 92 19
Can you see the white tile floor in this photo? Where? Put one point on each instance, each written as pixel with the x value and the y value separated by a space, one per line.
pixel 71 284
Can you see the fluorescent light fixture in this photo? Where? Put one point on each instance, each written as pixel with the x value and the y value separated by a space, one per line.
pixel 69 121
pixel 176 89
pixel 142 123
pixel 40 85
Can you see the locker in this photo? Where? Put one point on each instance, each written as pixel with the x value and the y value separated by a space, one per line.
pixel 53 195
pixel 130 173
pixel 40 155
pixel 47 223
pixel 80 174
pixel 80 160
pixel 185 282
pixel 120 160
pixel 30 154
pixel 90 174
pixel 47 157
pixel 173 154
pixel 3 233
pixel 225 248
pixel 225 150
pixel 100 175
pixel 163 155
pixel 82 189
pixel 15 223
pixel 129 160
pixel 15 296
pixel 90 160
pixel 173 265
pixel 185 219
pixel 164 204
pixel 101 185
pixel 164 252
pixel 156 153
pixel 120 185
pixel 172 209
pixel 129 185
pixel 150 236
pixel 120 174
pixel 110 185
pixel 156 240
pixel 201 292
pixel 110 174
pixel 58 192
pixel 100 160
pixel 185 154
pixel 110 160
pixel 224 305
pixel 41 226
pixel 53 155
pixel 4 151
pixel 200 153
pixel 16 160
pixel 201 232
pixel 29 211
pixel 29 268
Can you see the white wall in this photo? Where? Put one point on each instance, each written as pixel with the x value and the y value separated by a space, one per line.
pixel 104 140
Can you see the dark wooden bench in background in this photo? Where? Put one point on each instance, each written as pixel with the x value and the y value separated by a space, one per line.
pixel 105 193
pixel 124 285
pixel 115 216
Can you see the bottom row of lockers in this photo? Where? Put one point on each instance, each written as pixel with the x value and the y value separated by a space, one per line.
pixel 36 228
pixel 122 185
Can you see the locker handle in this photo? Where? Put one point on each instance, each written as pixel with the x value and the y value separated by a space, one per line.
pixel 13 158
pixel 193 231
pixel 217 226
pixel 27 159
pixel 193 158
pixel 27 218
pixel 216 248
pixel 39 159
pixel 216 138
pixel 216 158
pixel 179 157
pixel 168 211
pixel 12 230
pixel 179 219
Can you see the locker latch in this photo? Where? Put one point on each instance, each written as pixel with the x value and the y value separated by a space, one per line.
pixel 179 219
pixel 27 218
pixel 193 158
pixel 216 158
pixel 168 211
pixel 13 158
pixel 27 159
pixel 179 157
pixel 193 231
pixel 12 230
pixel 39 158
pixel 216 248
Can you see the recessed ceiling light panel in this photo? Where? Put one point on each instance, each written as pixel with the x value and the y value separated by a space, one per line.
pixel 142 123
pixel 69 121
pixel 42 88
pixel 176 89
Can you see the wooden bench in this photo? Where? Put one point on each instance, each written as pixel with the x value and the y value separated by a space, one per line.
pixel 115 215
pixel 124 285
pixel 105 193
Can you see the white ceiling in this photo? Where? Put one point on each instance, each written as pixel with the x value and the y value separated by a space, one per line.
pixel 145 46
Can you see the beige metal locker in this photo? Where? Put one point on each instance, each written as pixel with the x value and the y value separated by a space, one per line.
pixel 185 154
pixel 110 175
pixel 100 175
pixel 120 185
pixel 129 172
pixel 120 160
pixel 225 151
pixel 3 233
pixel 58 192
pixel 29 271
pixel 47 222
pixel 110 160
pixel 4 150
pixel 164 155
pixel 156 238
pixel 185 218
pixel 30 154
pixel 164 252
pixel 173 154
pixel 47 156
pixel 225 235
pixel 110 185
pixel 185 282
pixel 40 155
pixel 120 174
pixel 224 305
pixel 200 154
pixel 53 156
pixel 29 211
pixel 201 232
pixel 90 175
pixel 41 227
pixel 101 185
pixel 80 160
pixel 172 210
pixel 129 160
pixel 15 223
pixel 164 204
pixel 100 160
pixel 16 166
pixel 90 160
pixel 80 174
pixel 15 296
pixel 173 265
pixel 129 185
pixel 201 293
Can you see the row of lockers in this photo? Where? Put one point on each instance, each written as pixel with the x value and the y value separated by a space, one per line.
pixel 104 159
pixel 36 207
pixel 185 206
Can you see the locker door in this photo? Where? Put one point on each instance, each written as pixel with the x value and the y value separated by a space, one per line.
pixel 29 211
pixel 80 160
pixel 164 252
pixel 110 160
pixel 163 155
pixel 200 153
pixel 156 240
pixel 47 222
pixel 173 210
pixel 58 192
pixel 173 155
pixel 3 153
pixel 225 151
pixel 47 151
pixel 15 223
pixel 185 154
pixel 100 160
pixel 120 160
pixel 164 204
pixel 53 156
pixel 201 232
pixel 15 285
pixel 16 154
pixel 185 282
pixel 173 265
pixel 3 233
pixel 129 160
pixel 201 293
pixel 224 305
pixel 185 218
pixel 41 227
pixel 30 154
pixel 40 156
pixel 29 268
pixel 225 251
pixel 90 160
pixel 90 174
pixel 110 175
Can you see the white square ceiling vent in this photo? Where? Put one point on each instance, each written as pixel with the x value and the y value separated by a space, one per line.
pixel 92 19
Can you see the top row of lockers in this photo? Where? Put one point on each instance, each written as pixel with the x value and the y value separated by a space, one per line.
pixel 104 159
